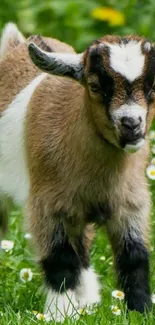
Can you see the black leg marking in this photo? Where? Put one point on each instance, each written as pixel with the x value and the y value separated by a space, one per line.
pixel 132 264
pixel 62 267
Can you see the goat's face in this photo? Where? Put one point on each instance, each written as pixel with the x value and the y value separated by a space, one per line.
pixel 118 74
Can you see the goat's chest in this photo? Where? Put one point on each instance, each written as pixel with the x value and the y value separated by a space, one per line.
pixel 111 197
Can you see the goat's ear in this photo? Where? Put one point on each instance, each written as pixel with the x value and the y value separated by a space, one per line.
pixel 62 64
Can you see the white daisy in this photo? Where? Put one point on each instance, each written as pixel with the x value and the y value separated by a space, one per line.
pixel 115 310
pixel 118 294
pixel 150 172
pixel 41 316
pixel 102 258
pixel 153 298
pixel 7 245
pixel 26 275
pixel 27 235
pixel 85 311
pixel 152 135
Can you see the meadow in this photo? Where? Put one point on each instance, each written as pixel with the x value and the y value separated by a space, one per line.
pixel 21 282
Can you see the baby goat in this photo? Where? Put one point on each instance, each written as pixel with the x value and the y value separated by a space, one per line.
pixel 74 148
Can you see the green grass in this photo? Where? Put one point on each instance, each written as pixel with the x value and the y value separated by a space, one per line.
pixel 18 300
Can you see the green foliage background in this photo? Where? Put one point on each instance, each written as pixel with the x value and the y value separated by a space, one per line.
pixel 71 20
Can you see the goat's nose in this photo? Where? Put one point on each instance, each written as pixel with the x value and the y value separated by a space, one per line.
pixel 131 123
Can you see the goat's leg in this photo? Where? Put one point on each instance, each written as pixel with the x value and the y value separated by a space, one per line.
pixel 65 261
pixel 88 290
pixel 129 242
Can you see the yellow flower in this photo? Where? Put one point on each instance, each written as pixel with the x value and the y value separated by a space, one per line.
pixel 112 16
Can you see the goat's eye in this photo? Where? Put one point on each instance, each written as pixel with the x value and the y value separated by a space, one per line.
pixel 94 87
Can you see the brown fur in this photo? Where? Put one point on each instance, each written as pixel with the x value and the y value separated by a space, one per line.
pixel 69 164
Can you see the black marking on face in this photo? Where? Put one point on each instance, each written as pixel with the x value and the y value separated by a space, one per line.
pixel 150 77
pixel 63 265
pixel 128 87
pixel 99 213
pixel 132 264
pixel 106 82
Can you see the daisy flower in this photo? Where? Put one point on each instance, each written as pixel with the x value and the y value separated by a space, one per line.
pixel 85 311
pixel 102 258
pixel 115 310
pixel 153 298
pixel 152 135
pixel 7 245
pixel 41 316
pixel 150 171
pixel 27 235
pixel 26 275
pixel 118 294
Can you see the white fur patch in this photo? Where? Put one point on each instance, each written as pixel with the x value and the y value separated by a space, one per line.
pixel 10 35
pixel 127 59
pixel 132 110
pixel 88 292
pixel 59 306
pixel 14 180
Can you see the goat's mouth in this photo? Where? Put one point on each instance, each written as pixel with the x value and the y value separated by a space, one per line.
pixel 133 145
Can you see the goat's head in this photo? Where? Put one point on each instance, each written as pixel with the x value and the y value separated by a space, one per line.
pixel 118 75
